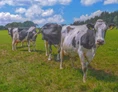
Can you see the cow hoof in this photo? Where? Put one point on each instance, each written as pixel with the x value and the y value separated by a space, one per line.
pixel 84 80
pixel 61 67
pixel 49 59
pixel 58 59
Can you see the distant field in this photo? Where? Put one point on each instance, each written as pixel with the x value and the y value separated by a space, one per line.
pixel 21 71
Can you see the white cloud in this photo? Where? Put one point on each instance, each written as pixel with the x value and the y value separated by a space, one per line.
pixel 20 10
pixel 110 2
pixel 22 2
pixel 37 11
pixel 48 12
pixel 86 17
pixel 15 2
pixel 33 11
pixel 64 2
pixel 52 19
pixel 56 18
pixel 3 2
pixel 52 2
pixel 6 17
pixel 89 2
pixel 30 2
pixel 46 2
pixel 40 21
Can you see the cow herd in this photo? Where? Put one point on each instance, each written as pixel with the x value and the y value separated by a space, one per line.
pixel 21 35
pixel 81 40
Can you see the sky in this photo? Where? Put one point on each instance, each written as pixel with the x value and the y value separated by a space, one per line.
pixel 54 11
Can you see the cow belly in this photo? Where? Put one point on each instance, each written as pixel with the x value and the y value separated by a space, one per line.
pixel 17 41
pixel 69 50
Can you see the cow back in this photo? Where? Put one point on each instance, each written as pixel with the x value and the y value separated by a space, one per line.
pixel 52 33
pixel 22 34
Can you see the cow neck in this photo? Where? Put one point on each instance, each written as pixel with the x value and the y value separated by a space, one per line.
pixel 11 31
pixel 88 39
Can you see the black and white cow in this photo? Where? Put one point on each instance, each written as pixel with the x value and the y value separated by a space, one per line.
pixel 51 33
pixel 19 29
pixel 21 35
pixel 82 40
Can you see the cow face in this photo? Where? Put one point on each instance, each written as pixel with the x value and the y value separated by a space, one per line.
pixel 100 28
pixel 9 31
pixel 34 36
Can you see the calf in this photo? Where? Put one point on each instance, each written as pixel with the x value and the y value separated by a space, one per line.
pixel 51 33
pixel 21 35
pixel 82 40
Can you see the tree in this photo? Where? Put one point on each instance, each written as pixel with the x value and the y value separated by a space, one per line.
pixel 28 24
pixel 115 20
pixel 2 28
pixel 19 24
pixel 106 16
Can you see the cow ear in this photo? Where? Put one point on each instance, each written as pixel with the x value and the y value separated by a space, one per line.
pixel 111 26
pixel 90 26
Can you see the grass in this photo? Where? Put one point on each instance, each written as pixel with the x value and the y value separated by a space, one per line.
pixel 21 71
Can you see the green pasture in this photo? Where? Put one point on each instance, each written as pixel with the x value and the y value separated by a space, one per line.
pixel 21 71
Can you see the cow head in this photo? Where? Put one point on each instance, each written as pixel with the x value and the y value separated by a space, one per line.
pixel 100 27
pixel 10 31
pixel 32 33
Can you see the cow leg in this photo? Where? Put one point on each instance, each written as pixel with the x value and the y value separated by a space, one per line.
pixel 50 52
pixel 61 58
pixel 29 46
pixel 84 64
pixel 58 53
pixel 46 47
pixel 34 45
pixel 85 59
pixel 21 44
pixel 13 45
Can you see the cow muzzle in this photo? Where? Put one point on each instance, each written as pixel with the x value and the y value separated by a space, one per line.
pixel 100 42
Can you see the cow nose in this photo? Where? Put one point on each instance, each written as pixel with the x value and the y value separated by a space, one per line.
pixel 100 42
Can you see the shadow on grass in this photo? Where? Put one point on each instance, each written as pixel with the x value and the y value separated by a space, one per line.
pixel 38 51
pixel 66 58
pixel 19 47
pixel 98 74
pixel 102 75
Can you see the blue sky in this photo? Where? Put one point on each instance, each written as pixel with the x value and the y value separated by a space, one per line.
pixel 57 11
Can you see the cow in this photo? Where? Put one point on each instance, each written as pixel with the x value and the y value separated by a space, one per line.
pixel 21 35
pixel 19 29
pixel 82 40
pixel 51 34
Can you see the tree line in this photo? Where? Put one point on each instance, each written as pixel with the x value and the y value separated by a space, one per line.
pixel 109 18
pixel 18 24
